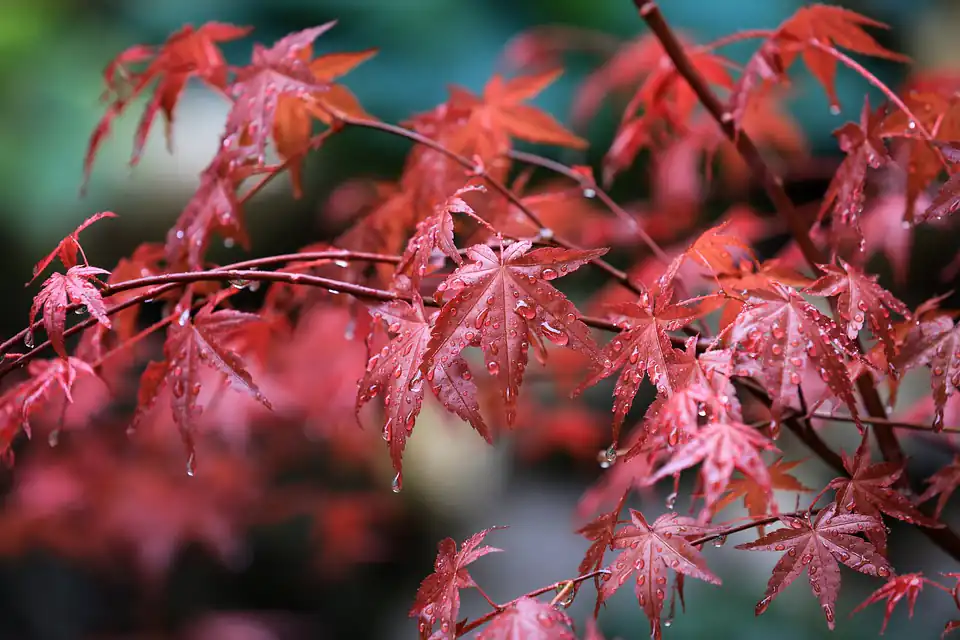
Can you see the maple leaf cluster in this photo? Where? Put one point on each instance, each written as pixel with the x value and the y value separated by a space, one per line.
pixel 453 276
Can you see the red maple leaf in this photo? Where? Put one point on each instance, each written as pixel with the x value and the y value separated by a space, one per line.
pixel 721 447
pixel 942 483
pixel 861 299
pixel 702 393
pixel 17 403
pixel 58 292
pixel 295 112
pixel 947 201
pixel 499 114
pixel 756 498
pixel 274 72
pixel 500 301
pixel 814 32
pixel 663 104
pixel 869 491
pixel 193 343
pixel 642 348
pixel 937 110
pixel 934 342
pixel 68 248
pixel 908 586
pixel 600 532
pixel 815 544
pixel 528 619
pixel 649 550
pixel 778 334
pixel 864 148
pixel 438 599
pixel 214 208
pixel 434 233
pixel 395 373
pixel 187 53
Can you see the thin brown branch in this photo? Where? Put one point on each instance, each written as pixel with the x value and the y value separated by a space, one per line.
pixel 887 92
pixel 896 424
pixel 620 276
pixel 601 195
pixel 752 524
pixel 773 185
pixel 771 182
pixel 487 617
pixel 158 285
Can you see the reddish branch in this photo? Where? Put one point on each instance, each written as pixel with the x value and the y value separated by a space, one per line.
pixel 773 185
pixel 498 186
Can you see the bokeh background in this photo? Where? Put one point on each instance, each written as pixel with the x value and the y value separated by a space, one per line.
pixel 51 55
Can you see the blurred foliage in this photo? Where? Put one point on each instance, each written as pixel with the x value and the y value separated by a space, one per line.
pixel 51 55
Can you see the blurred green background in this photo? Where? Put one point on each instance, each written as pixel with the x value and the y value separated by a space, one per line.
pixel 51 55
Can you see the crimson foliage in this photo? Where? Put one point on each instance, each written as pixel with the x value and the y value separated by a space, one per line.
pixel 454 279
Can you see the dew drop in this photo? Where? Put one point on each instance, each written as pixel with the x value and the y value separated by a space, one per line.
pixel 525 310
pixel 554 335
pixel 478 323
pixel 828 613
pixel 835 109
pixel 53 439
pixel 938 422
pixel 549 274
pixel 762 605
pixel 607 457
pixel 416 381
pixel 671 500
pixel 493 367
pixel 589 193
pixel 397 485
pixel 28 340
pixel 192 464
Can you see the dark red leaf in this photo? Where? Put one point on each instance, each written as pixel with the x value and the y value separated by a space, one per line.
pixel 69 246
pixel 438 599
pixel 649 551
pixel 934 342
pixel 815 544
pixel 58 292
pixel 187 53
pixel 395 373
pixel 193 343
pixel 943 483
pixel 274 72
pixel 861 299
pixel 778 335
pixel 897 588
pixel 499 301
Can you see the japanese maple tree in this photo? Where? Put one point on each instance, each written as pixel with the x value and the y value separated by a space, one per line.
pixel 456 280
